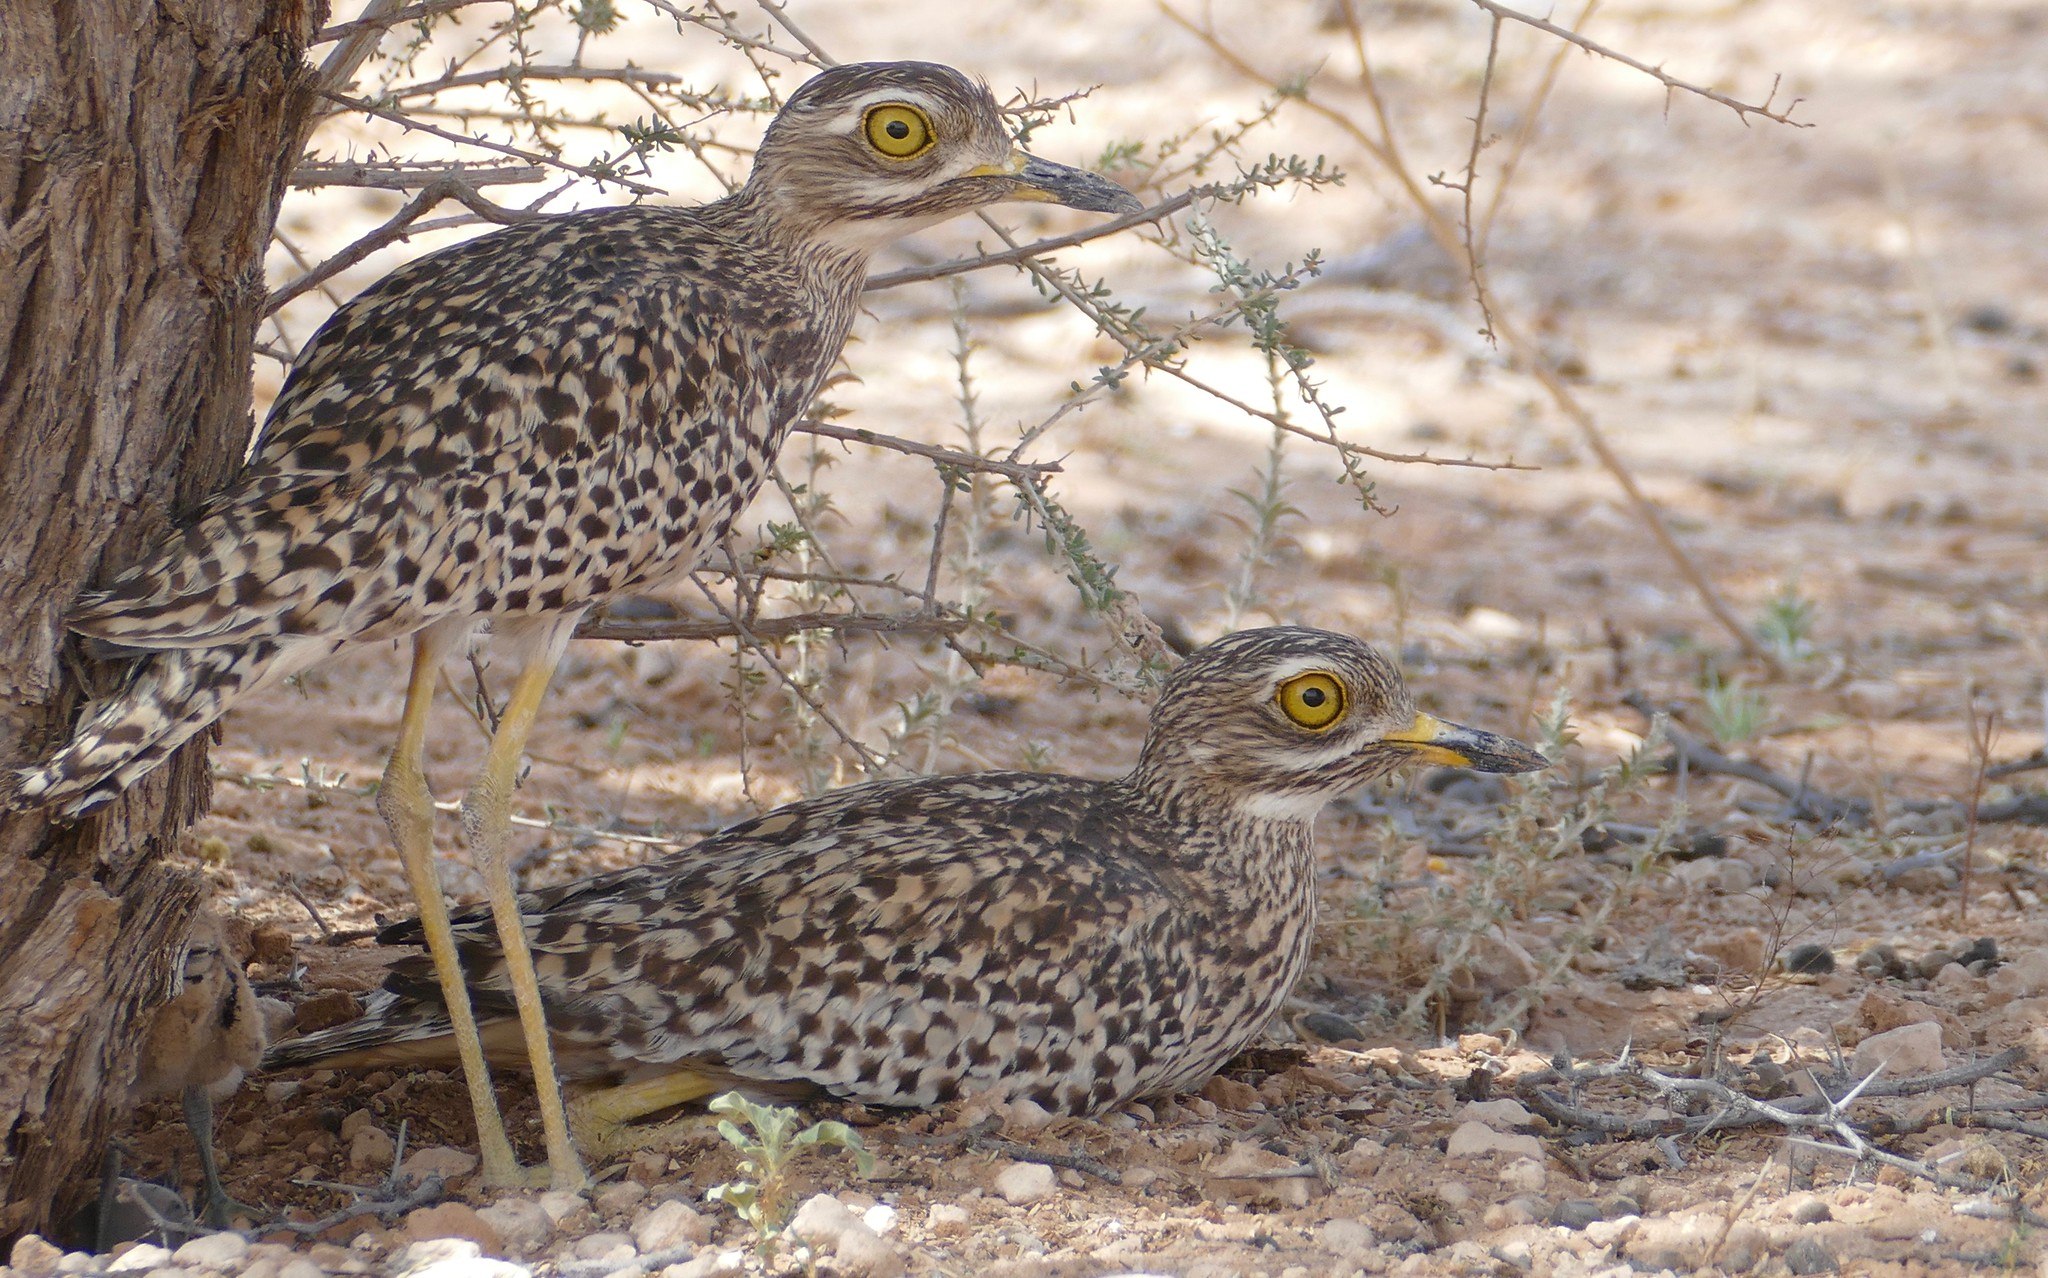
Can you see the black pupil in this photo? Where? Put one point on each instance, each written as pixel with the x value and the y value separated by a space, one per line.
pixel 897 129
pixel 1312 697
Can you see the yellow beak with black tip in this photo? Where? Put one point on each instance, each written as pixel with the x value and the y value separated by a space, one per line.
pixel 1454 745
pixel 1034 179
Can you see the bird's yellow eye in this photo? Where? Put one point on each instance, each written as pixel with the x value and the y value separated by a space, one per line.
pixel 1314 700
pixel 898 131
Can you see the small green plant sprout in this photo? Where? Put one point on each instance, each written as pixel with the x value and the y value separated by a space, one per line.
pixel 769 1142
pixel 1786 626
pixel 1735 713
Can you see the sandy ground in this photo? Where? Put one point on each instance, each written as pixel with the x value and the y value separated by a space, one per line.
pixel 1747 310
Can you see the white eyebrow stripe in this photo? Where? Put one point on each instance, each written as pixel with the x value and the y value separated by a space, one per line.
pixel 850 116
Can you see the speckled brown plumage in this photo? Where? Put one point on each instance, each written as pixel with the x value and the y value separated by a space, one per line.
pixel 1075 942
pixel 515 429
pixel 527 423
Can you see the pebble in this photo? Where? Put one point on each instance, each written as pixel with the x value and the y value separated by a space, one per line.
pixel 1905 1052
pixel 609 1247
pixel 1022 1184
pixel 561 1204
pixel 1348 1237
pixel 452 1258
pixel 1810 1256
pixel 1576 1213
pixel 1808 1209
pixel 1808 960
pixel 1524 1175
pixel 825 1222
pixel 34 1256
pixel 371 1148
pixel 668 1225
pixel 139 1259
pixel 618 1199
pixel 521 1224
pixel 212 1251
pixel 445 1161
pixel 1501 1115
pixel 1330 1027
pixel 452 1220
pixel 1476 1140
pixel 947 1217
pixel 2024 976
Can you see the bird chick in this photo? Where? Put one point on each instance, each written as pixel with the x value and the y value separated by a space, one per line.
pixel 202 1043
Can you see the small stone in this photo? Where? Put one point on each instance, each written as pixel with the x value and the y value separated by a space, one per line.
pixel 171 1271
pixel 34 1256
pixel 1808 1209
pixel 452 1220
pixel 1736 949
pixel 1905 1052
pixel 1501 1115
pixel 300 1267
pixel 1022 1184
pixel 1348 1237
pixel 1476 1140
pixel 445 1161
pixel 618 1199
pixel 1575 1213
pixel 561 1204
pixel 326 1010
pixel 668 1225
pixel 1250 1173
pixel 140 1258
pixel 862 1253
pixel 272 942
pixel 1809 1255
pixel 371 1148
pixel 520 1224
pixel 2025 976
pixel 881 1218
pixel 452 1258
pixel 1229 1094
pixel 1524 1175
pixel 1613 1231
pixel 947 1218
pixel 1743 1249
pixel 1808 960
pixel 608 1247
pixel 1932 962
pixel 1330 1027
pixel 212 1251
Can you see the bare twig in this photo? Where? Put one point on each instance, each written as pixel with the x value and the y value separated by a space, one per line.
pixel 1038 248
pixel 1528 356
pixel 411 177
pixel 1806 802
pixel 1743 110
pixel 463 139
pixel 774 629
pixel 937 454
pixel 382 18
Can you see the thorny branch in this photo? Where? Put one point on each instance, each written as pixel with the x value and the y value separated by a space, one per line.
pixel 1743 110
pixel 1528 355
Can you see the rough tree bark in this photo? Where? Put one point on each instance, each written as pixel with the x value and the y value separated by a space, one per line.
pixel 144 146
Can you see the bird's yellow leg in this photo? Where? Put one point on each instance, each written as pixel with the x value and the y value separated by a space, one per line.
pixel 600 1117
pixel 407 807
pixel 486 814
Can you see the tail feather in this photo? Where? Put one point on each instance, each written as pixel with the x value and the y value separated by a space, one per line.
pixel 393 1030
pixel 169 698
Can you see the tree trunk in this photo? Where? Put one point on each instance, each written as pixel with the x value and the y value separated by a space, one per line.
pixel 144 146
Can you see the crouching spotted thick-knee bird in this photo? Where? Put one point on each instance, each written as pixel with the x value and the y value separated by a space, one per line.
pixel 516 428
pixel 1004 934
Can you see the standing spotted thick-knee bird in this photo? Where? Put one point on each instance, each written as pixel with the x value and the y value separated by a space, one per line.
pixel 515 429
pixel 1007 934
